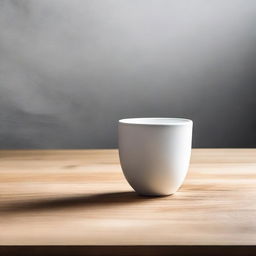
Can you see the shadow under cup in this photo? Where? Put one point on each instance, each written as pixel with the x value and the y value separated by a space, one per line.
pixel 155 153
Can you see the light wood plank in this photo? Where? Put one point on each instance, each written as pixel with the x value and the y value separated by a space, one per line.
pixel 80 197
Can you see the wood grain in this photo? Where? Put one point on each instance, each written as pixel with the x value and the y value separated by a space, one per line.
pixel 80 197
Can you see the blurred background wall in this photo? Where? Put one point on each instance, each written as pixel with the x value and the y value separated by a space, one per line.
pixel 70 69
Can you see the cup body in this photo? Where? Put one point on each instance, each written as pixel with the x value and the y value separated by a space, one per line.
pixel 155 153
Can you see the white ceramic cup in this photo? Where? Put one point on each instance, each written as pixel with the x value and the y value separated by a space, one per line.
pixel 155 153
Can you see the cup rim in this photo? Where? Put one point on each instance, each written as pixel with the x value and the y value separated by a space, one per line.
pixel 156 121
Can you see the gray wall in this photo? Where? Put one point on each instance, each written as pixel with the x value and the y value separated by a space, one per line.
pixel 69 69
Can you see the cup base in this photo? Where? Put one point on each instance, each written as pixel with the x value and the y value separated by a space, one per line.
pixel 153 195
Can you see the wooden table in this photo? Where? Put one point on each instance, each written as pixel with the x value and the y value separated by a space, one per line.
pixel 80 197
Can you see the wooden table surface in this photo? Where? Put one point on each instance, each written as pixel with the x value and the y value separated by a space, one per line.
pixel 80 197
